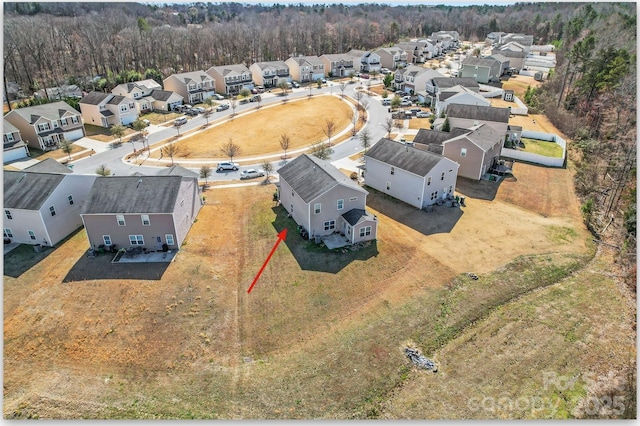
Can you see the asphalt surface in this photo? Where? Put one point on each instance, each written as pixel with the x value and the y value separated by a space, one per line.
pixel 114 158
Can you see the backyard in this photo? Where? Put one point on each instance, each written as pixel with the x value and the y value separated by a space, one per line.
pixel 545 148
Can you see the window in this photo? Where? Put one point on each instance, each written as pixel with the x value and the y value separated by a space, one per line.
pixel 169 238
pixel 429 181
pixel 52 210
pixel 463 152
pixel 145 220
pixel 74 119
pixel 434 195
pixel 316 208
pixel 442 176
pixel 43 127
pixel 70 198
pixel 330 225
pixel 292 194
pixel 32 235
pixel 8 233
pixel 388 186
pixel 120 219
pixel 9 137
pixel 136 240
pixel 393 171
pixel 365 231
pixel 340 204
pixel 107 240
pixel 291 211
pixel 7 213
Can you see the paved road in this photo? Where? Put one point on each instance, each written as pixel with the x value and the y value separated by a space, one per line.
pixel 114 158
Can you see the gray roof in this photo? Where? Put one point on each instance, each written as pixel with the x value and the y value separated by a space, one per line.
pixel 483 135
pixel 133 194
pixel 48 165
pixel 479 62
pixel 311 60
pixel 311 177
pixel 187 77
pixel 28 190
pixel 354 216
pixel 51 111
pixel 445 82
pixel 437 137
pixel 177 170
pixel 117 99
pixel 8 127
pixel 275 65
pixel 94 98
pixel 161 95
pixel 476 112
pixel 225 70
pixel 498 57
pixel 405 157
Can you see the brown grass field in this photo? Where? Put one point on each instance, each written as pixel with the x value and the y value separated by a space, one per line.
pixel 321 334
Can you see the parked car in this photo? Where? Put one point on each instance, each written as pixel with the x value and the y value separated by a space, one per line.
pixel 365 76
pixel 218 97
pixel 192 112
pixel 180 121
pixel 295 84
pixel 199 110
pixel 251 173
pixel 243 101
pixel 405 103
pixel 423 114
pixel 255 98
pixel 415 110
pixel 222 107
pixel 385 70
pixel 227 165
pixel 386 102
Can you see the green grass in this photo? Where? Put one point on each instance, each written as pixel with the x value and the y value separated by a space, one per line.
pixel 544 148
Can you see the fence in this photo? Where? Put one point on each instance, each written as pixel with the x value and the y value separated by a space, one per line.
pixel 536 158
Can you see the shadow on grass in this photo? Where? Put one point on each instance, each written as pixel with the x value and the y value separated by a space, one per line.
pixel 100 268
pixel 22 258
pixel 481 190
pixel 441 220
pixel 313 257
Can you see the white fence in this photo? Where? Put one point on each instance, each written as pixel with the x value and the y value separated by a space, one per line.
pixel 536 158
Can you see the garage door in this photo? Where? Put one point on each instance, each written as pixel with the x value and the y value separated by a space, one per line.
pixel 74 134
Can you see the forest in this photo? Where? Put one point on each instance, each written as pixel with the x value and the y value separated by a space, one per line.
pixel 590 96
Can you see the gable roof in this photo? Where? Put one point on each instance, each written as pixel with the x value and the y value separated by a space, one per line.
pixel 479 62
pixel 354 216
pixel 48 165
pixel 177 170
pixel 443 82
pixel 477 112
pixel 188 77
pixel 311 60
pixel 233 69
pixel 8 127
pixel 50 111
pixel 133 194
pixel 436 137
pixel 94 98
pixel 162 95
pixel 311 177
pixel 483 136
pixel 272 65
pixel 28 190
pixel 405 157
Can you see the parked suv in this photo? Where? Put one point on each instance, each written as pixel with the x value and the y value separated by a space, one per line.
pixel 222 107
pixel 180 121
pixel 227 165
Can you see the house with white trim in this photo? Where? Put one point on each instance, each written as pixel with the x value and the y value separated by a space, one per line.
pixel 194 86
pixel 106 109
pixel 14 148
pixel 231 79
pixel 306 69
pixel 270 74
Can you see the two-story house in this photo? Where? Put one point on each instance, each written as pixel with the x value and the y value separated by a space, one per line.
pixel 148 96
pixel 392 57
pixel 44 126
pixel 306 69
pixel 457 95
pixel 14 148
pixel 414 79
pixel 270 74
pixel 483 70
pixel 194 86
pixel 450 40
pixel 340 64
pixel 467 116
pixel 141 211
pixel 369 61
pixel 417 52
pixel 231 79
pixel 417 177
pixel 441 83
pixel 323 200
pixel 43 208
pixel 106 109
pixel 515 52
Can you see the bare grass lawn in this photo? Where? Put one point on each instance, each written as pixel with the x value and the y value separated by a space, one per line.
pixel 259 132
pixel 545 148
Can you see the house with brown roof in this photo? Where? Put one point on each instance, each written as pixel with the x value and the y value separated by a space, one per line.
pixel 45 126
pixel 418 177
pixel 106 109
pixel 194 86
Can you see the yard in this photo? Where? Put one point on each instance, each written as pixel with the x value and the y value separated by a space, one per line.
pixel 545 148
pixel 320 335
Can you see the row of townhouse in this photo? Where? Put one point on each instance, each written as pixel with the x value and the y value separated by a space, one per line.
pixel 45 203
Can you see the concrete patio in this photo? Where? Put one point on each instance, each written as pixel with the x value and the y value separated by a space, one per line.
pixel 146 257
pixel 335 241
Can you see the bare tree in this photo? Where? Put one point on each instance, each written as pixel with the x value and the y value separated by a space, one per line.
pixel 365 139
pixel 230 149
pixel 285 141
pixel 388 125
pixel 117 131
pixel 103 170
pixel 342 86
pixel 234 104
pixel 208 109
pixel 205 172
pixel 321 150
pixel 171 150
pixel 268 169
pixel 285 90
pixel 328 129
pixel 66 146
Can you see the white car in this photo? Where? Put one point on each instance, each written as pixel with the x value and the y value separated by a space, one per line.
pixel 423 114
pixel 180 121
pixel 199 110
pixel 227 165
pixel 251 173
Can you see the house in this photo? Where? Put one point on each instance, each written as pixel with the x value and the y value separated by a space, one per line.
pixel 177 170
pixel 476 149
pixel 194 86
pixel 340 64
pixel 231 79
pixel 505 64
pixel 148 96
pixel 417 51
pixel 141 211
pixel 270 74
pixel 59 93
pixel 43 208
pixel 417 177
pixel 106 109
pixel 369 62
pixel 514 52
pixel 414 79
pixel 322 200
pixel 48 165
pixel 306 69
pixel 441 83
pixel 483 70
pixel 457 95
pixel 450 40
pixel 14 148
pixel 392 57
pixel 45 126
pixel 466 116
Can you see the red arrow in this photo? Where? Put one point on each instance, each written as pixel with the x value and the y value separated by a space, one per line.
pixel 281 236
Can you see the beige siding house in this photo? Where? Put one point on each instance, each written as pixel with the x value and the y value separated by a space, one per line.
pixel 340 64
pixel 231 79
pixel 194 87
pixel 141 211
pixel 107 109
pixel 417 177
pixel 324 201
pixel 44 126
pixel 43 208
pixel 270 74
pixel 305 69
pixel 14 148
